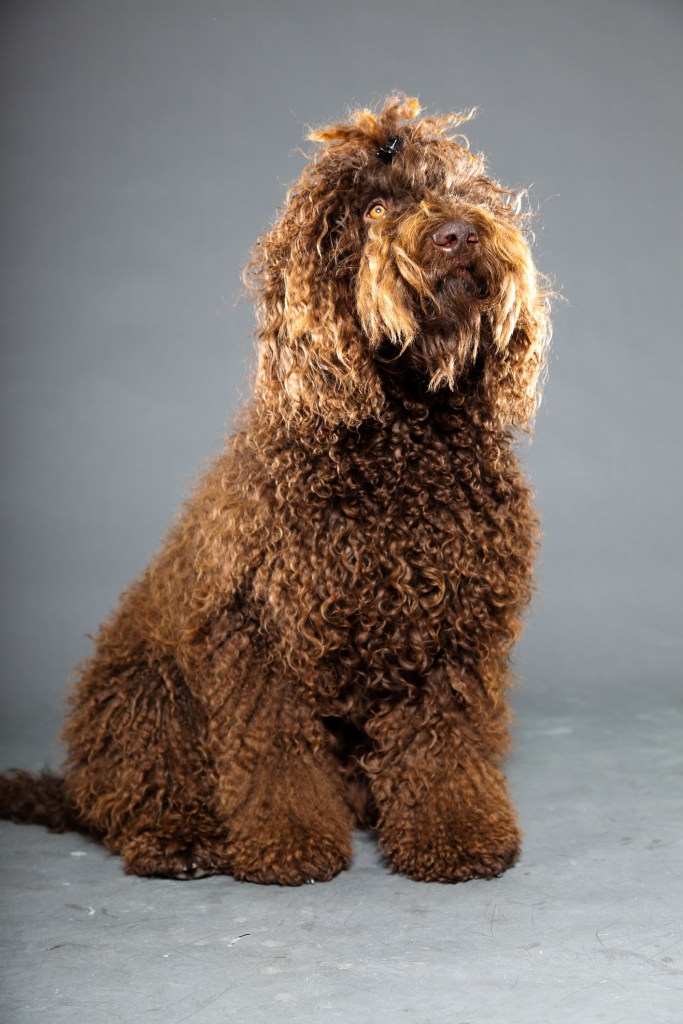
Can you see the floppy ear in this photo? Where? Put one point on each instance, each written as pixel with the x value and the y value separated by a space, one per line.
pixel 519 320
pixel 314 362
pixel 513 378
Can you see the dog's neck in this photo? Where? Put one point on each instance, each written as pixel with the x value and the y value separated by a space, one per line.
pixel 406 387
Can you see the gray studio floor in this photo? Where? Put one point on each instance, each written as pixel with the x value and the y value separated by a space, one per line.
pixel 587 928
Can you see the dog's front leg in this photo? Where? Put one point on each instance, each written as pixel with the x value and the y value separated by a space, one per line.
pixel 279 790
pixel 444 810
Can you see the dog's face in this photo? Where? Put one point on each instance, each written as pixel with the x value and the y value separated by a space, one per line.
pixel 397 254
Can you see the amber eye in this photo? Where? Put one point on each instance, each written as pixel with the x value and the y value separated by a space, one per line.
pixel 376 211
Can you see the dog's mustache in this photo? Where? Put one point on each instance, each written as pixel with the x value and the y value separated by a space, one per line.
pixel 444 296
pixel 439 281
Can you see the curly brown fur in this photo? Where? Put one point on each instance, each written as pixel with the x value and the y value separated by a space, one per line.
pixel 323 639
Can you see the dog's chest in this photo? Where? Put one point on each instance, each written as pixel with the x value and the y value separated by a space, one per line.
pixel 407 533
pixel 404 520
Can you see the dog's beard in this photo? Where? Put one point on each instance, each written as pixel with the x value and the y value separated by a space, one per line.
pixel 424 320
pixel 449 336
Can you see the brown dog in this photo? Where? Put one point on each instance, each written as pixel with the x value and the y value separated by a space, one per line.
pixel 323 639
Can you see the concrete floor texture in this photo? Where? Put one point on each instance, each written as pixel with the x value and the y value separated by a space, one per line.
pixel 588 927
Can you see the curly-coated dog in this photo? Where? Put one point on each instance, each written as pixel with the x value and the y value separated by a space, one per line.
pixel 323 640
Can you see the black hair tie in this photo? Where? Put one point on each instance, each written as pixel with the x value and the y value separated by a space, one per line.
pixel 388 151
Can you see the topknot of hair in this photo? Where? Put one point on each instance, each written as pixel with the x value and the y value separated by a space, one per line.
pixel 397 117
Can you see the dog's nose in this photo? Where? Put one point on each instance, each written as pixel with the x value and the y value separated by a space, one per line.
pixel 457 237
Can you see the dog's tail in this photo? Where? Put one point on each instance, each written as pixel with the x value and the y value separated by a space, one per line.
pixel 36 800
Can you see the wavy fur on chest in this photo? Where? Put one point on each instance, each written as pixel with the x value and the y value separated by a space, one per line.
pixel 411 539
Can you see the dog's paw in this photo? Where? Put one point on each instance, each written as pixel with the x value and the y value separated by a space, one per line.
pixel 292 859
pixel 447 858
pixel 152 855
pixel 463 827
pixel 195 870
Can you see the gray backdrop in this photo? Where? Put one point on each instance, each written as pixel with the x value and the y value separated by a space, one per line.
pixel 145 144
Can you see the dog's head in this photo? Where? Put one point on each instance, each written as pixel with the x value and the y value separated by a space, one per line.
pixel 397 256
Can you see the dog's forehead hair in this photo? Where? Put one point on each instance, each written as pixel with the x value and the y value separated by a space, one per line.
pixel 416 178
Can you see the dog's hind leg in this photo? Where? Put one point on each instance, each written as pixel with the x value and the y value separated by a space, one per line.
pixel 224 767
pixel 137 771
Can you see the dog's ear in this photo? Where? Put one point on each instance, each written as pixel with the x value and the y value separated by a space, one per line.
pixel 314 363
pixel 513 381
pixel 520 330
